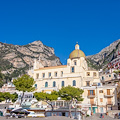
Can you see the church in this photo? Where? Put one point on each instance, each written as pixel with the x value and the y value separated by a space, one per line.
pixel 75 73
pixel 97 98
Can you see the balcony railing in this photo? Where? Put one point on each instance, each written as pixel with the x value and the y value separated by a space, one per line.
pixel 108 95
pixel 92 103
pixel 91 96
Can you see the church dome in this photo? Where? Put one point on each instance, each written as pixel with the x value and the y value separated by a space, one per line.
pixel 77 53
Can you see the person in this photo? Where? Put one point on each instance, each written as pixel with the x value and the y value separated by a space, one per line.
pixel 101 115
pixel 119 116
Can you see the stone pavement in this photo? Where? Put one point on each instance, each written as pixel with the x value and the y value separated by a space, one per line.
pixel 46 118
pixel 97 117
pixel 93 117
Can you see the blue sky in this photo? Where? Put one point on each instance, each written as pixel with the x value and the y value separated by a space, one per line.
pixel 94 24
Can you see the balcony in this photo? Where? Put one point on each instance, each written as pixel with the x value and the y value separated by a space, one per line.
pixel 92 103
pixel 108 95
pixel 109 103
pixel 91 96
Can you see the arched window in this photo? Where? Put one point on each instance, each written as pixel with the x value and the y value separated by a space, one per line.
pixel 63 84
pixel 54 84
pixel 74 83
pixel 75 62
pixel 46 84
pixel 72 69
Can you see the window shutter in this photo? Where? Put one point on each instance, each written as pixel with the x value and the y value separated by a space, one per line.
pixel 88 92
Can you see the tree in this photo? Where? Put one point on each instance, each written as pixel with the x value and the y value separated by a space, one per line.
pixel 47 97
pixel 117 72
pixel 24 83
pixel 71 93
pixel 6 96
pixel 14 97
pixel 1 97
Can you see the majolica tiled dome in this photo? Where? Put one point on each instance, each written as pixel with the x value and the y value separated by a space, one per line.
pixel 77 53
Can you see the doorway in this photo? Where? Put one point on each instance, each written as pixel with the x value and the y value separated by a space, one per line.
pixel 63 113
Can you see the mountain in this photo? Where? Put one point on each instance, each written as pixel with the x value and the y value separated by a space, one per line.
pixel 16 59
pixel 106 55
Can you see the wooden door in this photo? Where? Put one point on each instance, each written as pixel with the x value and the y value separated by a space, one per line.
pixel 109 100
pixel 91 100
pixel 108 91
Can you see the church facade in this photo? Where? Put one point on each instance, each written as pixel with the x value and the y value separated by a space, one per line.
pixel 75 73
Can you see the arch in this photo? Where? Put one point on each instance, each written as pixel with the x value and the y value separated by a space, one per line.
pixel 74 83
pixel 46 84
pixel 54 84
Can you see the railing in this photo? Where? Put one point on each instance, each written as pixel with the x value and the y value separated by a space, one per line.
pixel 92 103
pixel 108 95
pixel 88 78
pixel 91 96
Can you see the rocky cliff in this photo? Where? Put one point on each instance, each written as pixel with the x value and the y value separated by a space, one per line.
pixel 16 59
pixel 105 56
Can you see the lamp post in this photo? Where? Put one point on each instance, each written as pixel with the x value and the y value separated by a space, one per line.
pixel 75 109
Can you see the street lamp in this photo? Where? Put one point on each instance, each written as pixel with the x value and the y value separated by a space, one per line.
pixel 75 109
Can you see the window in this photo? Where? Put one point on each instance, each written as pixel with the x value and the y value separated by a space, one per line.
pixel 46 84
pixel 37 75
pixel 43 75
pixel 87 83
pixel 75 62
pixel 49 74
pixel 72 69
pixel 54 84
pixel 102 78
pixel 101 109
pixel 61 73
pixel 100 91
pixel 74 83
pixel 55 74
pixel 35 86
pixel 88 73
pixel 91 92
pixel 94 74
pixel 62 84
pixel 101 99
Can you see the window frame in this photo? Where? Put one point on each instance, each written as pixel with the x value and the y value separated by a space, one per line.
pixel 75 62
pixel 49 74
pixel 87 83
pixel 46 84
pixel 37 75
pixel 55 74
pixel 62 83
pixel 72 69
pixel 54 84
pixel 88 73
pixel 43 75
pixel 74 82
pixel 61 73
